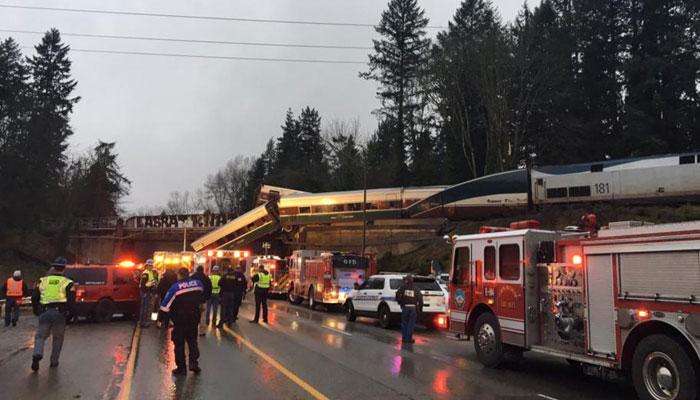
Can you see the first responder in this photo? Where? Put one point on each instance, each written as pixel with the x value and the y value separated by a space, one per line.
pixel 182 303
pixel 147 286
pixel 54 296
pixel 240 286
pixel 262 282
pixel 230 284
pixel 410 299
pixel 166 280
pixel 215 299
pixel 14 289
pixel 199 274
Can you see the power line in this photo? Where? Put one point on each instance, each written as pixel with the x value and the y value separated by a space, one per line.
pixel 161 39
pixel 199 17
pixel 235 58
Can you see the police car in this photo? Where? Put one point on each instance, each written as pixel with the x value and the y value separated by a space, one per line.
pixel 376 298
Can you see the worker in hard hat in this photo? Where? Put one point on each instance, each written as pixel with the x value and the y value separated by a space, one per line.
pixel 13 290
pixel 147 286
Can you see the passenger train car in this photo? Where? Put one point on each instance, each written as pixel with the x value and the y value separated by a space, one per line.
pixel 645 179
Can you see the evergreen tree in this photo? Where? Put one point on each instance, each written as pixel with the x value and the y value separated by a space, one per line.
pixel 103 185
pixel 346 161
pixel 397 65
pixel 312 151
pixel 48 126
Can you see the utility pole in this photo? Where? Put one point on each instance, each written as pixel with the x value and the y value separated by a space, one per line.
pixel 364 204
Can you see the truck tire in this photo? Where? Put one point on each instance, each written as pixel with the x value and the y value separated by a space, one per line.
pixel 312 301
pixel 384 315
pixel 663 370
pixel 104 310
pixel 487 340
pixel 350 311
pixel 294 299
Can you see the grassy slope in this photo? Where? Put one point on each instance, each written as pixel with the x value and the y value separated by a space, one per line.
pixel 550 218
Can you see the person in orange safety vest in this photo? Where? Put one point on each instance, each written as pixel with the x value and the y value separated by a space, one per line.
pixel 13 290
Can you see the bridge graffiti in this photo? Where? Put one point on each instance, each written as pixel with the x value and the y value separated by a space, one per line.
pixel 206 220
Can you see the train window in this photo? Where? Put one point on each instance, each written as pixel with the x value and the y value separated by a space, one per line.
pixel 540 182
pixel 555 193
pixel 460 265
pixel 489 263
pixel 597 168
pixel 686 159
pixel 304 210
pixel 509 262
pixel 579 191
pixel 338 208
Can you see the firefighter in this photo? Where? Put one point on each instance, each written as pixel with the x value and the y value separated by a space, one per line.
pixel 13 290
pixel 147 286
pixel 182 302
pixel 215 299
pixel 410 299
pixel 262 281
pixel 54 296
pixel 199 274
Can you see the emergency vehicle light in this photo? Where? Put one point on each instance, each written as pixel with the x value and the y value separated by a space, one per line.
pixel 576 259
pixel 158 258
pixel 237 254
pixel 210 253
pixel 176 260
pixel 441 321
pixel 246 254
pixel 127 264
pixel 186 258
pixel 219 253
pixel 643 314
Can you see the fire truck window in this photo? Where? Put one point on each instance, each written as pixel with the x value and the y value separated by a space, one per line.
pixel 123 276
pixel 460 270
pixel 509 260
pixel 489 263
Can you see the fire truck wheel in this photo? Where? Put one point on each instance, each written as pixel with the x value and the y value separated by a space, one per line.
pixel 662 370
pixel 350 312
pixel 312 301
pixel 487 340
pixel 294 299
pixel 104 310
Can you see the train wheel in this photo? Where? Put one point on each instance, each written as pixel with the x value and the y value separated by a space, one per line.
pixel 662 370
pixel 487 341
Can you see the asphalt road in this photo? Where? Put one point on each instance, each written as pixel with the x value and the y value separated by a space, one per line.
pixel 301 354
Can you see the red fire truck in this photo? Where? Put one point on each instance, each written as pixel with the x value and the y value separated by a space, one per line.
pixel 325 277
pixel 623 302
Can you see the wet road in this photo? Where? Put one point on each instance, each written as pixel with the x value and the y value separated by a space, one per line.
pixel 300 355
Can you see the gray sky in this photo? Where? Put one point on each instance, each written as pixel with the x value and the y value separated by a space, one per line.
pixel 176 120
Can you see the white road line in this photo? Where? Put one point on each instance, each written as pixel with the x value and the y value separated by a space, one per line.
pixel 337 330
pixel 544 396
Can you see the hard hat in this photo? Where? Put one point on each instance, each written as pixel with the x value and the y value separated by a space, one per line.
pixel 17 274
pixel 149 262
pixel 59 262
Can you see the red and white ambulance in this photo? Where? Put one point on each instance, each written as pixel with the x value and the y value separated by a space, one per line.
pixel 623 302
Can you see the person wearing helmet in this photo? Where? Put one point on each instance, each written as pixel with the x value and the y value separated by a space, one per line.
pixel 147 285
pixel 53 296
pixel 13 290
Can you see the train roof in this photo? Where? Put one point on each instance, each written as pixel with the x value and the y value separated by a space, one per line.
pixel 622 163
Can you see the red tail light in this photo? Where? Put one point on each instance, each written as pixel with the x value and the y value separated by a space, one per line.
pixel 441 321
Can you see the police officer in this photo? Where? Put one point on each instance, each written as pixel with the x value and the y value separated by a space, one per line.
pixel 233 285
pixel 13 290
pixel 147 286
pixel 240 288
pixel 182 302
pixel 215 299
pixel 262 285
pixel 54 296
pixel 410 299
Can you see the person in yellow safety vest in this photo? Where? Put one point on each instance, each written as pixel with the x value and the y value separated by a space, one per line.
pixel 262 282
pixel 54 296
pixel 215 299
pixel 148 285
pixel 13 291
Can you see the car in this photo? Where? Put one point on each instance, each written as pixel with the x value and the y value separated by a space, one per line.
pixel 376 298
pixel 103 290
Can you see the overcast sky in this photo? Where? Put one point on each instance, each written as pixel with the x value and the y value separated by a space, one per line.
pixel 176 120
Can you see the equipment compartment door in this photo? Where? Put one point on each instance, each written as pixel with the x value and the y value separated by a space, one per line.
pixel 601 307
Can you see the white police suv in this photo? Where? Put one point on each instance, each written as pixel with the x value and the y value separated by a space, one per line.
pixel 376 298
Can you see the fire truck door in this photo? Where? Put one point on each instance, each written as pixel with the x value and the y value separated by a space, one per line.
pixel 461 287
pixel 509 294
pixel 601 311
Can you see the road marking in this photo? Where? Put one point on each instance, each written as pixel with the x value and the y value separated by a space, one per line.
pixel 337 330
pixel 125 390
pixel 281 368
pixel 544 396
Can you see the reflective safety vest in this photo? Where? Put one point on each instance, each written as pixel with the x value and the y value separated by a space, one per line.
pixel 151 281
pixel 264 280
pixel 53 289
pixel 215 288
pixel 14 288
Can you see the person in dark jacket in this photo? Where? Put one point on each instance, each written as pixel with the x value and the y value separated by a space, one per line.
pixel 262 281
pixel 199 274
pixel 182 302
pixel 166 281
pixel 13 290
pixel 411 300
pixel 233 287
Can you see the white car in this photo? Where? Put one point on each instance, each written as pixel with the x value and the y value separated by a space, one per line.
pixel 376 298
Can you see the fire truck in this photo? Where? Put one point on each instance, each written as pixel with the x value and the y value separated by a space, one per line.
pixel 624 302
pixel 326 277
pixel 222 258
pixel 163 260
pixel 277 267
